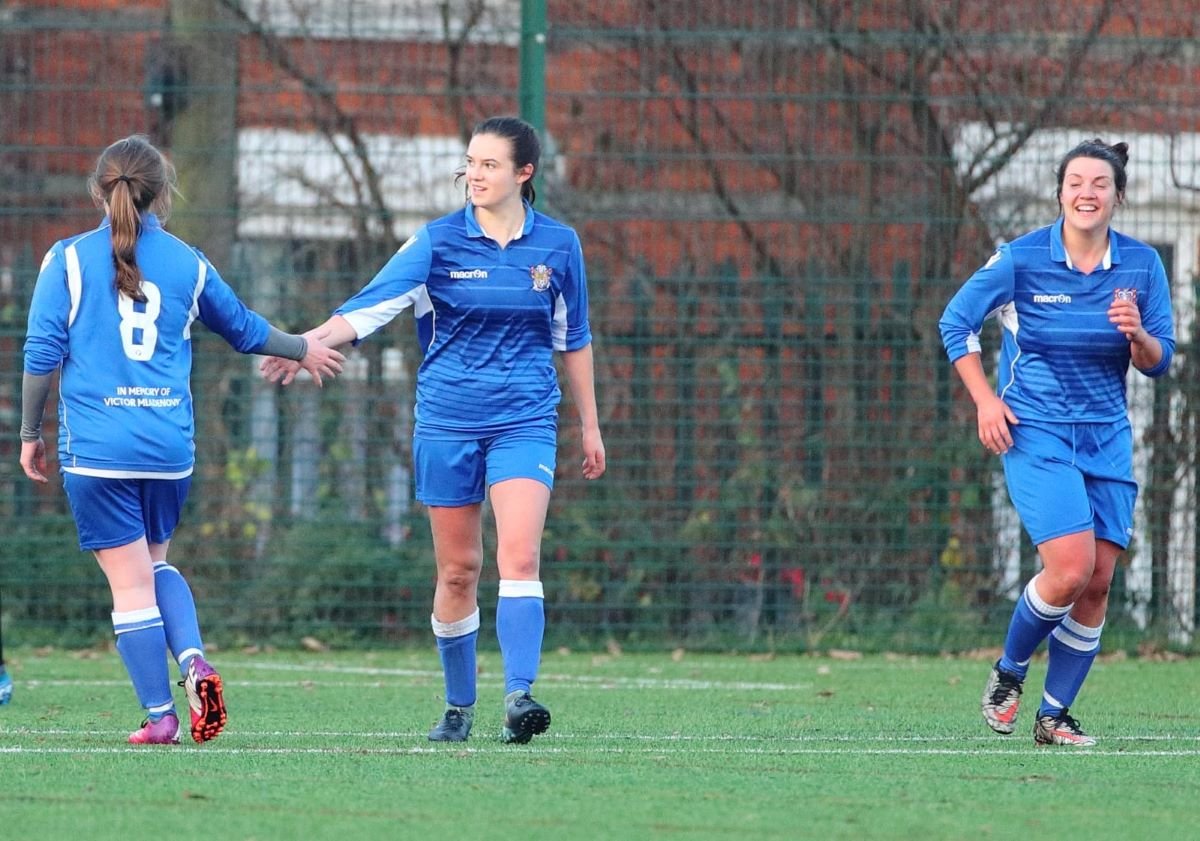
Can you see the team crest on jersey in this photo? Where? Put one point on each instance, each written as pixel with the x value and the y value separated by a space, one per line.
pixel 541 277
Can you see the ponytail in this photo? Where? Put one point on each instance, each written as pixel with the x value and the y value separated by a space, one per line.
pixel 126 225
pixel 131 177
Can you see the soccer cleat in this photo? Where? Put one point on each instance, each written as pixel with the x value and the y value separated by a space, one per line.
pixel 1060 729
pixel 524 718
pixel 455 726
pixel 165 731
pixel 1001 699
pixel 6 686
pixel 205 701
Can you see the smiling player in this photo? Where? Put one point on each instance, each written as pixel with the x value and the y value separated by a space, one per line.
pixel 496 289
pixel 1077 303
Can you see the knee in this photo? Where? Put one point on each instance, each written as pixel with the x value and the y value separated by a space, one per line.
pixel 1065 586
pixel 460 575
pixel 1096 592
pixel 521 564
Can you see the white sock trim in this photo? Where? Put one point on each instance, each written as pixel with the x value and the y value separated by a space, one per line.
pixel 147 617
pixel 1079 629
pixel 1078 636
pixel 455 629
pixel 1042 607
pixel 188 654
pixel 163 566
pixel 514 589
pixel 1071 641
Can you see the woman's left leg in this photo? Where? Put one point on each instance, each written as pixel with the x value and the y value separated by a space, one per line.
pixel 1075 642
pixel 520 508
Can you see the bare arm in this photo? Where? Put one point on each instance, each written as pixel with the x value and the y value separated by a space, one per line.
pixel 992 414
pixel 578 366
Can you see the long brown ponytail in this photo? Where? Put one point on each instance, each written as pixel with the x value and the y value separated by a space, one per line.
pixel 131 177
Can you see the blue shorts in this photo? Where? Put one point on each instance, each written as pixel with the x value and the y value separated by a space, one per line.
pixel 454 472
pixel 116 512
pixel 1066 478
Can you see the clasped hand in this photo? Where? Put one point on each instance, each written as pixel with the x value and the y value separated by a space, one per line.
pixel 320 362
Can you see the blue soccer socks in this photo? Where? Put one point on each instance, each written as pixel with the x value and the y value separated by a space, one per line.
pixel 520 625
pixel 456 645
pixel 1073 648
pixel 1032 620
pixel 178 607
pixel 142 644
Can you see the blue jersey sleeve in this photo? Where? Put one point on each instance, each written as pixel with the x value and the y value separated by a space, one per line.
pixel 985 292
pixel 571 329
pixel 220 309
pixel 401 283
pixel 1157 317
pixel 46 343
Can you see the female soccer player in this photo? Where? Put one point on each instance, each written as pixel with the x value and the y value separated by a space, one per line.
pixel 113 310
pixel 1077 302
pixel 495 289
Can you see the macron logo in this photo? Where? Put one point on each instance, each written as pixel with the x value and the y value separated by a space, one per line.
pixel 1060 298
pixel 469 274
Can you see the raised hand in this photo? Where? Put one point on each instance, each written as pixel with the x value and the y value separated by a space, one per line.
pixel 1123 312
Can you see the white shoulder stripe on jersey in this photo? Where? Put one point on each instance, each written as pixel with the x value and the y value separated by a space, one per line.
pixel 194 312
pixel 74 282
pixel 369 319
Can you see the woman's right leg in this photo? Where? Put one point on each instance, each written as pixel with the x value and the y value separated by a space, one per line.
pixel 458 551
pixel 141 640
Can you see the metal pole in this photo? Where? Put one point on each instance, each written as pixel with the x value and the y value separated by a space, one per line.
pixel 533 70
pixel 533 63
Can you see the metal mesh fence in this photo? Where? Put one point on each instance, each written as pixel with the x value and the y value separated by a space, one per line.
pixel 776 200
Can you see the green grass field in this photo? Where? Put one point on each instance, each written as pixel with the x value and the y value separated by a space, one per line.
pixel 332 746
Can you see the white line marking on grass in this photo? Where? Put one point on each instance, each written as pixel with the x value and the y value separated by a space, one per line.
pixel 591 750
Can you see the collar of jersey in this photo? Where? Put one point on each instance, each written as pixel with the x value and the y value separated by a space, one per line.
pixel 1058 251
pixel 149 220
pixel 474 230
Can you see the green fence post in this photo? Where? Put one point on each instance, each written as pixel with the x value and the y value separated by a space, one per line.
pixel 532 92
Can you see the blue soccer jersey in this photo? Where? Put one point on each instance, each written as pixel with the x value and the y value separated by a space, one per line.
pixel 1061 359
pixel 488 319
pixel 125 401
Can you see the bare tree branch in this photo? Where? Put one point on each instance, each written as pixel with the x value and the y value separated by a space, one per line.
pixel 331 119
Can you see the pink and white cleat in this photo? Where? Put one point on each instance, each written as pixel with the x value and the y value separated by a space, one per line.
pixel 165 731
pixel 205 701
